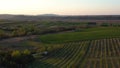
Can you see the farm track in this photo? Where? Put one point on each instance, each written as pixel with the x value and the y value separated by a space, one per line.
pixel 104 53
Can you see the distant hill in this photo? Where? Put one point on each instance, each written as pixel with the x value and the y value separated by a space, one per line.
pixel 55 17
pixel 48 15
pixel 6 16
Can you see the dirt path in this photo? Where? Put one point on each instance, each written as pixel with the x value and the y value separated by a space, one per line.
pixel 18 39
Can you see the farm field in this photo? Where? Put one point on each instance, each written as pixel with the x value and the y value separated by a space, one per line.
pixel 88 48
pixel 59 33
pixel 59 44
pixel 102 53
pixel 83 34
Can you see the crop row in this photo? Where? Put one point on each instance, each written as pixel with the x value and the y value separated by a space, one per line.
pixel 104 53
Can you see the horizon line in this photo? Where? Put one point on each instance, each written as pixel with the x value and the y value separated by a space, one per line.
pixel 64 14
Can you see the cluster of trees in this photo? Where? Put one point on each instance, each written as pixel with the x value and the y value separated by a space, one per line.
pixel 29 30
pixel 16 59
pixel 110 24
pixel 57 29
pixel 21 31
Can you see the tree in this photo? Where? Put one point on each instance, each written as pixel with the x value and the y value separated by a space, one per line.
pixel 26 52
pixel 16 53
pixel 2 34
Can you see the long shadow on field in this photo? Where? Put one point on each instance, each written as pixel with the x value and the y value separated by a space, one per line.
pixel 39 64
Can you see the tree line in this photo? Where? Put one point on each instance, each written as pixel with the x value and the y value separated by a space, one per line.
pixel 16 59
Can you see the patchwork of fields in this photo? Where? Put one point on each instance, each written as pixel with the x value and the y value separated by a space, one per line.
pixel 68 45
pixel 103 53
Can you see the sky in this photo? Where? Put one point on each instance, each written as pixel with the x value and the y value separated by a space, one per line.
pixel 61 7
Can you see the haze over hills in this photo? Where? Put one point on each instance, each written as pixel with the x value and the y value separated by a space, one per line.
pixel 49 15
pixel 58 17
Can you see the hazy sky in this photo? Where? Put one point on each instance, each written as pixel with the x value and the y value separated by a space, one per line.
pixel 64 7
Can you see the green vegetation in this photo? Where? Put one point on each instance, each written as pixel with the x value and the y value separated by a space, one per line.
pixel 102 53
pixel 59 44
pixel 86 34
pixel 16 59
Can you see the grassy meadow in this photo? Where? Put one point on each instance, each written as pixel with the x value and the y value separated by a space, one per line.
pixel 85 34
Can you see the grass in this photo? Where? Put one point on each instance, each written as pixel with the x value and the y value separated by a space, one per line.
pixel 86 34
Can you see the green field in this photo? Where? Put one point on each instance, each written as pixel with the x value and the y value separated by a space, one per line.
pixel 84 34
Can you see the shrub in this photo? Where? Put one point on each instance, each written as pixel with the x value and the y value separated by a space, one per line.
pixel 16 59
